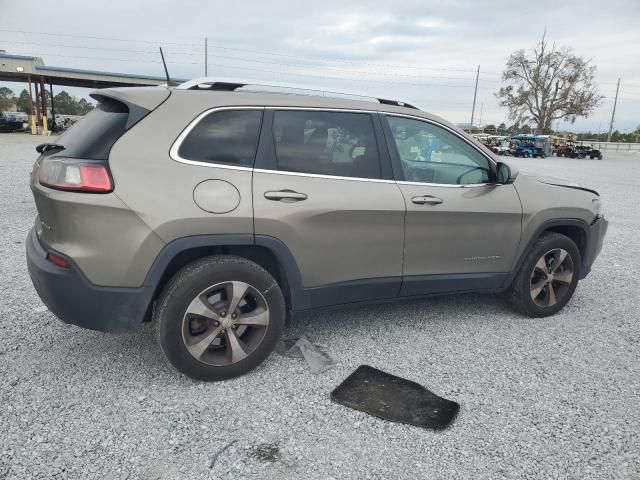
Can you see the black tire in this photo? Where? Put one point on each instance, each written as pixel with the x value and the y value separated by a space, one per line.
pixel 519 296
pixel 186 285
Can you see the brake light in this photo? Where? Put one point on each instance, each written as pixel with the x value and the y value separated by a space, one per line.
pixel 75 175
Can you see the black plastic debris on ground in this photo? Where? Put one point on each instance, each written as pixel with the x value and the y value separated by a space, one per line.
pixel 395 399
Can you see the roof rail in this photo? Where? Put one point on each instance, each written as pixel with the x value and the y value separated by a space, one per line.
pixel 231 85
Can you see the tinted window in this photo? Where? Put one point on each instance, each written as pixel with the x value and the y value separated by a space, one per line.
pixel 326 143
pixel 94 135
pixel 229 137
pixel 432 154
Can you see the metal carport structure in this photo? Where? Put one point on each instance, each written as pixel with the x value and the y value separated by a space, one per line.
pixel 33 71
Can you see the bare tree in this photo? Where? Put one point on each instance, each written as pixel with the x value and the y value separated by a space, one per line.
pixel 548 84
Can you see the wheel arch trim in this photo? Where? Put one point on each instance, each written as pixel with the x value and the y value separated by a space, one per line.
pixel 299 298
pixel 543 227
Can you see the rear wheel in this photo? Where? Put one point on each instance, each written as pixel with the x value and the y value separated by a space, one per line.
pixel 219 317
pixel 547 278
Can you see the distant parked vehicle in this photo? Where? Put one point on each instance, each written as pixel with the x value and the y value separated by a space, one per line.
pixel 9 124
pixel 523 145
pixel 583 151
pixel 526 149
pixel 566 149
pixel 502 149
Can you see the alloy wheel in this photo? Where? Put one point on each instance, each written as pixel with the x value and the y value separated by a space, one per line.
pixel 225 323
pixel 551 278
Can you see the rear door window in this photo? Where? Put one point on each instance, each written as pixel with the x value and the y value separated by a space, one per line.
pixel 326 143
pixel 94 135
pixel 227 137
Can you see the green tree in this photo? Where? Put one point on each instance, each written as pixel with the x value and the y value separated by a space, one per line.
pixel 83 107
pixel 22 103
pixel 7 99
pixel 548 84
pixel 64 104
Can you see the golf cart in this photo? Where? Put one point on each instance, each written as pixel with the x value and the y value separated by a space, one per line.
pixel 583 151
pixel 523 145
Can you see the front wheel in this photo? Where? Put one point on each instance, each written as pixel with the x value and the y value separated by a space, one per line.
pixel 547 277
pixel 219 317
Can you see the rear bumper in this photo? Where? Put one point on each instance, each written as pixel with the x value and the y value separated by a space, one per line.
pixel 597 231
pixel 75 300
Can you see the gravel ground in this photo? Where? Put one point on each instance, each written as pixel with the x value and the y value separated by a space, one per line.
pixel 549 398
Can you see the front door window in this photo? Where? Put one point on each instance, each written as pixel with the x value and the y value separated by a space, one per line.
pixel 431 154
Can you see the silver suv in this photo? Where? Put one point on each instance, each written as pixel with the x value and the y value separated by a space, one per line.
pixel 217 209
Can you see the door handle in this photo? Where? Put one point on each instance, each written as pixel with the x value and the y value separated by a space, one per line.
pixel 429 199
pixel 285 196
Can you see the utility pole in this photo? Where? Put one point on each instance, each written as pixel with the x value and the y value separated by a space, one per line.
pixel 32 113
pixel 206 58
pixel 480 121
pixel 613 114
pixel 475 94
pixel 53 108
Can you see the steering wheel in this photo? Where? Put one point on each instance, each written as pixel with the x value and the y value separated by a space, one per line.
pixel 468 172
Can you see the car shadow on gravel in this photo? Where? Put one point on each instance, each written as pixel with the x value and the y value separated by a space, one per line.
pixel 140 353
pixel 436 309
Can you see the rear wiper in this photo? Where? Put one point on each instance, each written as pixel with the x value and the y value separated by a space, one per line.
pixel 44 147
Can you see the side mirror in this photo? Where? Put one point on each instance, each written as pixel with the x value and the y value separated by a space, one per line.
pixel 503 172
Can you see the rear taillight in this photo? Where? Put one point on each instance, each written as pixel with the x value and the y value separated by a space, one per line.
pixel 76 175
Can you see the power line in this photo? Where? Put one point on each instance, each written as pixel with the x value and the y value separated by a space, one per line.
pixel 279 72
pixel 296 74
pixel 260 61
pixel 269 62
pixel 261 52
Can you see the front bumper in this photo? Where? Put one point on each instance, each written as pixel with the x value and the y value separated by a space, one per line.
pixel 597 231
pixel 75 300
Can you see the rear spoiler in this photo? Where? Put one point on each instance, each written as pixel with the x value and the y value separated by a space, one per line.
pixel 139 100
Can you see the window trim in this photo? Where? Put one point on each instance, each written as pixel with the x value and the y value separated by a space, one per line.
pixel 395 156
pixel 173 152
pixel 175 147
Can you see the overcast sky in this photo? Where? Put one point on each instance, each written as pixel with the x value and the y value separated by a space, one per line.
pixel 423 51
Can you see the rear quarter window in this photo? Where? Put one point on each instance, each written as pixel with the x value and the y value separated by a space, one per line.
pixel 228 137
pixel 94 135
